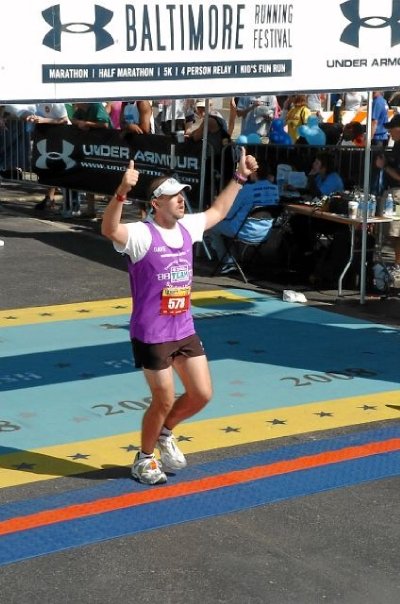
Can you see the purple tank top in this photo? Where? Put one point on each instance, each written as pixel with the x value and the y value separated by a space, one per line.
pixel 160 285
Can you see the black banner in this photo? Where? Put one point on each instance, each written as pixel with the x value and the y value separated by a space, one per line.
pixel 94 160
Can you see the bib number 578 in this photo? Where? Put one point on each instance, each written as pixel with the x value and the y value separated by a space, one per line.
pixel 176 303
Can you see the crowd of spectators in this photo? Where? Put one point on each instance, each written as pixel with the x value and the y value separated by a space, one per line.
pixel 247 115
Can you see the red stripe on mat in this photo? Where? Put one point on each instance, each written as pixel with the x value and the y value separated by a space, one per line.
pixel 161 493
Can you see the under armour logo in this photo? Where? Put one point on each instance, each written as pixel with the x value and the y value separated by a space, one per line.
pixel 351 34
pixel 102 16
pixel 46 156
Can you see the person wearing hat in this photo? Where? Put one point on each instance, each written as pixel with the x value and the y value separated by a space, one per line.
pixel 159 253
pixel 389 163
pixel 217 133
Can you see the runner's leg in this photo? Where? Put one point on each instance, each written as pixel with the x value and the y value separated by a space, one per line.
pixel 161 383
pixel 195 376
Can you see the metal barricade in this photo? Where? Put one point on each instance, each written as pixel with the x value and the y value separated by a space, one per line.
pixel 15 150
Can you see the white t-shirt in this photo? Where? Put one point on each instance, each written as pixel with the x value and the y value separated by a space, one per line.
pixel 53 111
pixel 314 102
pixel 139 235
pixel 354 100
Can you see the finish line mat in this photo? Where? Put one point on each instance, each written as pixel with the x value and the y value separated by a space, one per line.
pixel 71 401
pixel 119 508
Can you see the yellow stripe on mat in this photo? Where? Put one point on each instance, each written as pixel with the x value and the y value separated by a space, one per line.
pixel 79 457
pixel 100 308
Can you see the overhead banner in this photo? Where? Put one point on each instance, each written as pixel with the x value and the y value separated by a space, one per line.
pixel 95 160
pixel 112 49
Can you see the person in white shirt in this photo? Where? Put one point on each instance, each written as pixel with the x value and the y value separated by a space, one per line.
pixel 257 113
pixel 353 101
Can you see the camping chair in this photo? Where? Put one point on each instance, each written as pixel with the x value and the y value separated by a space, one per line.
pixel 242 248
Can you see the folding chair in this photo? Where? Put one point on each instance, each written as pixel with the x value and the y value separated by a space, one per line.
pixel 251 234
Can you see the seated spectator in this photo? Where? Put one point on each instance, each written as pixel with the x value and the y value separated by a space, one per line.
pixel 258 191
pixel 297 116
pixel 323 178
pixel 137 117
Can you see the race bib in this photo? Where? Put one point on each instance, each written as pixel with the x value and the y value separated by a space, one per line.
pixel 175 300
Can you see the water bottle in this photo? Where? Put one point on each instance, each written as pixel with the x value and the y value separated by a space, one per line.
pixel 371 206
pixel 281 183
pixel 389 206
pixel 337 112
pixel 361 205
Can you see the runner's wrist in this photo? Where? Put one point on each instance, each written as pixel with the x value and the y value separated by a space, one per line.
pixel 239 178
pixel 120 195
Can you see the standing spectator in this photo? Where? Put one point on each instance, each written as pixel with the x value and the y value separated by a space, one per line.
pixel 390 164
pixel 90 115
pixel 15 147
pixel 232 114
pixel 137 117
pixel 184 115
pixel 353 135
pixel 217 138
pixel 257 113
pixel 315 103
pixel 113 109
pixel 297 116
pixel 48 113
pixel 394 98
pixel 379 116
pixel 217 134
pixel 353 101
pixel 87 116
pixel 162 330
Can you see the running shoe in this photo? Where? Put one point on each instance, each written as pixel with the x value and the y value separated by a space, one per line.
pixel 172 457
pixel 147 470
pixel 227 268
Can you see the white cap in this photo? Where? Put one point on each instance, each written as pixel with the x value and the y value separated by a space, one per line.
pixel 169 187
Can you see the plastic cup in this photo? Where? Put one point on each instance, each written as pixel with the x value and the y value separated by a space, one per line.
pixel 352 209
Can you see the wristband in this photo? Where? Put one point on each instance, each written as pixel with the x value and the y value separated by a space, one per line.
pixel 119 197
pixel 237 177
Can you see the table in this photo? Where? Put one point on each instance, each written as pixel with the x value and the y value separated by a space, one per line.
pixel 314 211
